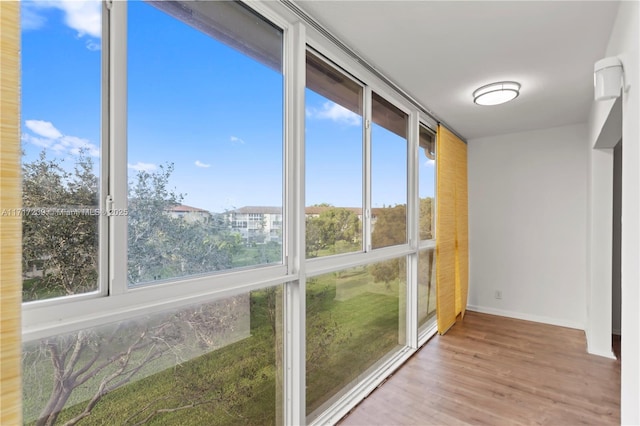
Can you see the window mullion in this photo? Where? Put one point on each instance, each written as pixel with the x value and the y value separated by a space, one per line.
pixel 295 306
pixel 367 228
pixel 413 215
pixel 103 185
pixel 117 158
pixel 413 196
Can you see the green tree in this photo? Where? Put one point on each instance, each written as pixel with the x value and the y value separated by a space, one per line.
pixel 149 227
pixel 390 229
pixel 335 229
pixel 161 246
pixel 98 361
pixel 390 226
pixel 63 245
pixel 426 218
pixel 61 230
pixel 59 227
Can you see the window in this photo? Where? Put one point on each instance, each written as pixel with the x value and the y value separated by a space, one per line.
pixel 426 227
pixel 388 173
pixel 426 183
pixel 212 363
pixel 61 112
pixel 354 321
pixel 334 135
pixel 189 87
pixel 191 158
pixel 426 286
pixel 159 244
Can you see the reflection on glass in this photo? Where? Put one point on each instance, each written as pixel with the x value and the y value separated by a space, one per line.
pixel 216 363
pixel 426 286
pixel 205 184
pixel 61 111
pixel 355 318
pixel 388 174
pixel 426 183
pixel 333 169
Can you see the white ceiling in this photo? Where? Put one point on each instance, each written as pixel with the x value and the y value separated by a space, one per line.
pixel 440 52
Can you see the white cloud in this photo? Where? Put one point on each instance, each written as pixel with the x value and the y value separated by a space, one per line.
pixel 201 164
pixel 76 145
pixel 93 46
pixel 42 142
pixel 334 112
pixel 82 16
pixel 143 167
pixel 49 137
pixel 59 148
pixel 30 19
pixel 236 139
pixel 43 128
pixel 430 163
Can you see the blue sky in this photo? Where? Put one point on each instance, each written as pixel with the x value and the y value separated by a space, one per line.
pixel 211 111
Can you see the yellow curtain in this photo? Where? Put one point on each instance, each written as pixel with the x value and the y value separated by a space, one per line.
pixel 452 242
pixel 10 222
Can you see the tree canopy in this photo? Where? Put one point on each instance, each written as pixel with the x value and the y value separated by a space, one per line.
pixel 336 229
pixel 61 219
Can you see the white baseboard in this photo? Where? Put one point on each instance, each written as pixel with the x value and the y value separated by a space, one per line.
pixel 606 353
pixel 527 317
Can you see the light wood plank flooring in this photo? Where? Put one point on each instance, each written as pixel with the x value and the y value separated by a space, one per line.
pixel 490 370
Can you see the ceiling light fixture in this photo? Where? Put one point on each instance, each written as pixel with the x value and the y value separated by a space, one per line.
pixel 496 93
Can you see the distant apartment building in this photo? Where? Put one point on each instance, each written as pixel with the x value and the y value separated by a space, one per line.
pixel 257 224
pixel 264 223
pixel 189 214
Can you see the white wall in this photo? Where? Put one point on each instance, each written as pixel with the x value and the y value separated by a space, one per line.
pixel 623 43
pixel 528 224
pixel 600 229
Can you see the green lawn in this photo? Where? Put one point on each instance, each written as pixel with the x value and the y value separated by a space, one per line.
pixel 351 323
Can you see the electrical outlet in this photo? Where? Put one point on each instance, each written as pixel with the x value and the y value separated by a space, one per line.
pixel 498 294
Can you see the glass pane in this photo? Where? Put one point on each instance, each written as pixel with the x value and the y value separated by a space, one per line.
pixel 61 111
pixel 388 174
pixel 205 140
pixel 426 183
pixel 333 161
pixel 426 286
pixel 216 364
pixel 355 319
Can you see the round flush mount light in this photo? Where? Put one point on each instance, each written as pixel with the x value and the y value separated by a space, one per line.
pixel 496 93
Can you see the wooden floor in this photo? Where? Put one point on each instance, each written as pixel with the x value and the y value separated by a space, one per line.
pixel 490 370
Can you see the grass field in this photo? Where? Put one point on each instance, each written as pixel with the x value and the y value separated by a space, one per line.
pixel 352 322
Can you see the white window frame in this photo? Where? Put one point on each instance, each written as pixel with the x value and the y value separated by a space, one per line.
pixel 115 301
pixel 402 106
pixel 425 122
pixel 428 330
pixel 318 266
pixel 365 235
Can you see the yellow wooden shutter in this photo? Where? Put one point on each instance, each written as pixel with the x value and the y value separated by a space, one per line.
pixel 462 227
pixel 10 222
pixel 452 243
